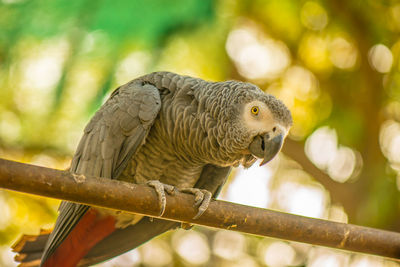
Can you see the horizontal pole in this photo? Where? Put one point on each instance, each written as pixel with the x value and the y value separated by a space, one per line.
pixel 142 199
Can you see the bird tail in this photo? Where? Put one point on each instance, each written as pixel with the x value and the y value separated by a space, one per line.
pixel 125 239
pixel 29 248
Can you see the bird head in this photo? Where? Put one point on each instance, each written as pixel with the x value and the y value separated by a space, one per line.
pixel 267 121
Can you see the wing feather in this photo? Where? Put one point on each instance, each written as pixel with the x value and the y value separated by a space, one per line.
pixel 110 139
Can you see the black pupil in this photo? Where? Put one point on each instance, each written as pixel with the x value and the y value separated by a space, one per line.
pixel 254 109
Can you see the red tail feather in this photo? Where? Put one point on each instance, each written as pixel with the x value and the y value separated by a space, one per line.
pixel 90 230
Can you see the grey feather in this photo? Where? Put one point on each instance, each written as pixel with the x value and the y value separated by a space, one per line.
pixel 179 130
pixel 98 131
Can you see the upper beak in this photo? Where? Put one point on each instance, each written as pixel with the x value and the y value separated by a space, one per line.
pixel 266 147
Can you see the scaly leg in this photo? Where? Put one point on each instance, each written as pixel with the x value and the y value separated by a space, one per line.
pixel 160 189
pixel 202 199
pixel 202 196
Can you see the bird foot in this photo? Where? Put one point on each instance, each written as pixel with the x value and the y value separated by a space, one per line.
pixel 160 189
pixel 202 199
pixel 186 226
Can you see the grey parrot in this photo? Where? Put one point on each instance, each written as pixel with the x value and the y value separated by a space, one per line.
pixel 171 132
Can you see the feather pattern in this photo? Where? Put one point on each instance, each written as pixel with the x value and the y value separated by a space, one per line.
pixel 99 152
pixel 163 126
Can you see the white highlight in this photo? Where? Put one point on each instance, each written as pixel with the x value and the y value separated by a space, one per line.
pixel 256 56
pixel 134 65
pixel 192 246
pixel 279 254
pixel 340 162
pixel 306 200
pixel 156 253
pixel 229 245
pixel 343 54
pixel 250 187
pixel 128 259
pixel 381 58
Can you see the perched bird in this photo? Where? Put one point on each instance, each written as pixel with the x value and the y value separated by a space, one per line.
pixel 170 132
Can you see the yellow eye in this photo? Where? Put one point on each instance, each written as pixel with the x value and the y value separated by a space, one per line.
pixel 255 110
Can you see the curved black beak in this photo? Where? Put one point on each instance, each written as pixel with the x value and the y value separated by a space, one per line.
pixel 266 147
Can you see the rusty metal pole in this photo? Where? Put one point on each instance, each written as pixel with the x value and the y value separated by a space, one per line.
pixel 220 214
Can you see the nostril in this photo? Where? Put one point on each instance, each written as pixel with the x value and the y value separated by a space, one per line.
pixel 262 144
pixel 274 129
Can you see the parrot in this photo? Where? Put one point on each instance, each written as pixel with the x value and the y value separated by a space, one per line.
pixel 171 132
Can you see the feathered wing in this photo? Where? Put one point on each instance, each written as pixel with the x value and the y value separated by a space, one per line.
pixel 110 139
pixel 212 179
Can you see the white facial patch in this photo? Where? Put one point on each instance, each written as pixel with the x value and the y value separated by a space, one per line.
pixel 262 122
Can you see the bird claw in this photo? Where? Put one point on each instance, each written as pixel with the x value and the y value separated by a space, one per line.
pixel 186 226
pixel 160 189
pixel 202 199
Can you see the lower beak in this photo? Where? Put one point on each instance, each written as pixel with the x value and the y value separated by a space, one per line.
pixel 266 147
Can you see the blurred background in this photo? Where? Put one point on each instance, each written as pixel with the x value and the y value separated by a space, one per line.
pixel 334 63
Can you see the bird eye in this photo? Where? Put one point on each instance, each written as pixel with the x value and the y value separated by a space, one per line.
pixel 255 110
